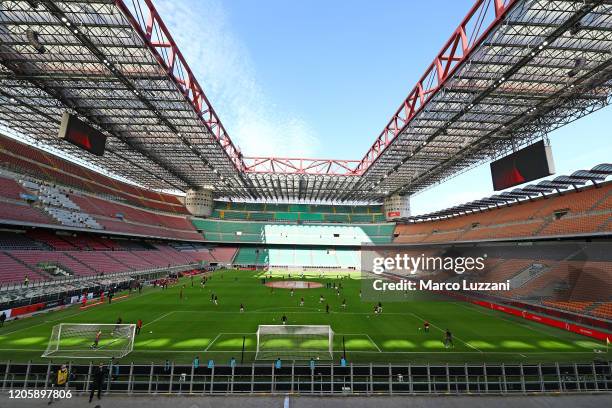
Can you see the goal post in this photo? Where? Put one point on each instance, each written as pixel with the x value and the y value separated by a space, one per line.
pixel 294 342
pixel 78 340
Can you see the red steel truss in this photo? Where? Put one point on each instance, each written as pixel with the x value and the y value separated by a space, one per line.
pixel 301 166
pixel 156 35
pixel 457 48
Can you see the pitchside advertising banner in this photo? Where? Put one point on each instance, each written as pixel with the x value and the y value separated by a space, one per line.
pixel 555 271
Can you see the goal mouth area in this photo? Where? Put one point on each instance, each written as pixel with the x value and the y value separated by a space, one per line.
pixel 293 355
pixel 81 340
pixel 294 342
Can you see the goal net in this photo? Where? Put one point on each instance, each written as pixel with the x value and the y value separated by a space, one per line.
pixel 294 342
pixel 72 340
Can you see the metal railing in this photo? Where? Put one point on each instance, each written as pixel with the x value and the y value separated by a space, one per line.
pixel 322 379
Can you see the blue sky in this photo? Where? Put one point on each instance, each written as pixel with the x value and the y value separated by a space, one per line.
pixel 316 78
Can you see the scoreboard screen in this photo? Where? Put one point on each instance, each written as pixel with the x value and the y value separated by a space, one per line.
pixel 80 134
pixel 528 164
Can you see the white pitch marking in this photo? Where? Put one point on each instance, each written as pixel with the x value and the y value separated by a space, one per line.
pixel 502 317
pixel 373 342
pixel 212 342
pixel 158 319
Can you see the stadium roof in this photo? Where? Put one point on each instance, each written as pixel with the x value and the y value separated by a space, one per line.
pixel 557 185
pixel 511 72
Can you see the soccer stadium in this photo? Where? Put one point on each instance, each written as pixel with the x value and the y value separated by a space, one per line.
pixel 144 254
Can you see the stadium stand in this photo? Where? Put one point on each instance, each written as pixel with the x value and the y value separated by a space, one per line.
pixel 54 241
pixel 11 270
pixel 303 213
pixel 43 254
pixel 572 276
pixel 249 256
pixel 10 189
pixel 603 310
pixel 583 211
pixel 223 254
pixel 27 159
pixel 263 232
pixel 12 240
pixel 299 257
pixel 33 202
pixel 332 258
pixel 23 213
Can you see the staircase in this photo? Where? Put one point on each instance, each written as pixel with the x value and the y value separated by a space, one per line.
pixel 531 272
pixel 592 306
pixel 67 254
pixel 55 270
pixel 600 201
pixel 120 262
pixel 603 227
pixel 547 221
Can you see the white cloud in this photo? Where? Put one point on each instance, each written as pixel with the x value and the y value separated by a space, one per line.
pixel 223 67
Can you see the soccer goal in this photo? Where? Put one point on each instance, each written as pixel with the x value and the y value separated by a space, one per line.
pixel 294 342
pixel 75 340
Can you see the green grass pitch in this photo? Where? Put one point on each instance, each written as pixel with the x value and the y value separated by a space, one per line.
pixel 179 330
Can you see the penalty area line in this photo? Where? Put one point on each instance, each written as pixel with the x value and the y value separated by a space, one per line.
pixel 373 342
pixel 212 342
pixel 158 319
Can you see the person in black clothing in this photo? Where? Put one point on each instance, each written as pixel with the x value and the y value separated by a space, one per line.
pixel 2 319
pixel 97 381
pixel 117 325
pixel 448 339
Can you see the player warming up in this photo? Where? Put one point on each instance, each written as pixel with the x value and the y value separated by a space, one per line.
pixel 117 324
pixel 97 340
pixel 448 339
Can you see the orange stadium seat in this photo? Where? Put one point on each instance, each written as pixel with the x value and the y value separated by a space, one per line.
pixel 584 211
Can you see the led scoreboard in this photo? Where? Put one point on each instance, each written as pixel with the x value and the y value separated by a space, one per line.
pixel 80 134
pixel 528 164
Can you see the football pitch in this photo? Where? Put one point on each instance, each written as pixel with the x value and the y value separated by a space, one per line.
pixel 180 329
